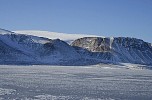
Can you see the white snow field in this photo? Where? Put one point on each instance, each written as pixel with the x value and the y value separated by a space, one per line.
pixel 55 35
pixel 101 82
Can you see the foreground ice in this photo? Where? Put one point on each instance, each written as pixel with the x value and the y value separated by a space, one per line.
pixel 6 91
pixel 102 82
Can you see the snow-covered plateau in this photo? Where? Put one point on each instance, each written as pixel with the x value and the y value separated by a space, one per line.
pixel 55 35
pixel 100 82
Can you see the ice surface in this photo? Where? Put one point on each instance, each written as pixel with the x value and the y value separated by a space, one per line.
pixel 100 82
pixel 6 91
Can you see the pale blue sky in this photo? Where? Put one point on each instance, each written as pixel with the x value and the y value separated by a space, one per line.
pixel 132 18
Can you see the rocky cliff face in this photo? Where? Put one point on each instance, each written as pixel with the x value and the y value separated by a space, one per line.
pixel 118 49
pixel 93 44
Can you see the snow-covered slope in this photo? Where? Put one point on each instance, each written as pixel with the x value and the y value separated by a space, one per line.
pixel 54 35
pixel 118 49
pixel 21 48
pixel 34 47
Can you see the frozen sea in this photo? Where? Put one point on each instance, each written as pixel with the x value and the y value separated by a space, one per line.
pixel 102 82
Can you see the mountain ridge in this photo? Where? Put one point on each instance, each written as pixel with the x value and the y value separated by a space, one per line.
pixel 119 49
pixel 21 48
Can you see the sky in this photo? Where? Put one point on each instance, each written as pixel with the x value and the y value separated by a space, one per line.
pixel 127 18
